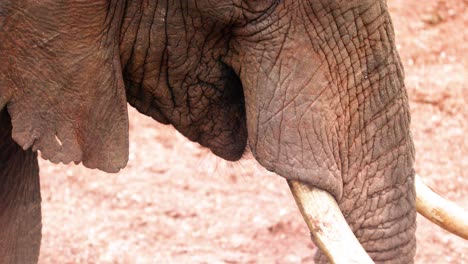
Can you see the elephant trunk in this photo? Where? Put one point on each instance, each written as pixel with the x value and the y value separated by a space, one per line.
pixel 327 106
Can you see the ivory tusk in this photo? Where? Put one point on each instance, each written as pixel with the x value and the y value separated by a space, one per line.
pixel 444 213
pixel 327 224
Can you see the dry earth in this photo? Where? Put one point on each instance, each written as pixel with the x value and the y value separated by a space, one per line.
pixel 177 203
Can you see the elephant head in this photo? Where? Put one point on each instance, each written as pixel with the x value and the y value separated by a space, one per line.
pixel 315 89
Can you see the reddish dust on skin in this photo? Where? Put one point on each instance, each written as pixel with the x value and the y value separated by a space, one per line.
pixel 176 203
pixel 317 226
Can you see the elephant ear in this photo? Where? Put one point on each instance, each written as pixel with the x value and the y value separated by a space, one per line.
pixel 60 78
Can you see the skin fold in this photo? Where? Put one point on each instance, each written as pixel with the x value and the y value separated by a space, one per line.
pixel 315 89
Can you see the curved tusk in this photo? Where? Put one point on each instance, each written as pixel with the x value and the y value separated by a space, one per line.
pixel 444 213
pixel 327 224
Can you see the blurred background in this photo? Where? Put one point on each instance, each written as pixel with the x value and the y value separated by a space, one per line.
pixel 177 203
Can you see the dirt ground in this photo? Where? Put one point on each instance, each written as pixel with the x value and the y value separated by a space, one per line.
pixel 177 203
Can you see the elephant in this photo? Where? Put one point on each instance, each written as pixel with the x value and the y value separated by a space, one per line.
pixel 314 89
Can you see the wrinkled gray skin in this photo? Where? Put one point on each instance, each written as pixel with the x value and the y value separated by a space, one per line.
pixel 314 87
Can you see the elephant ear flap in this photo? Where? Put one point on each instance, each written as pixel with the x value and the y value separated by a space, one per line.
pixel 60 78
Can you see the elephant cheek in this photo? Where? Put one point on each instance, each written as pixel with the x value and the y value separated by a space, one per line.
pixel 292 120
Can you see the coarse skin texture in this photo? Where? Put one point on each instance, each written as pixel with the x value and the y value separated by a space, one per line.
pixel 324 97
pixel 20 199
pixel 60 75
pixel 316 85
